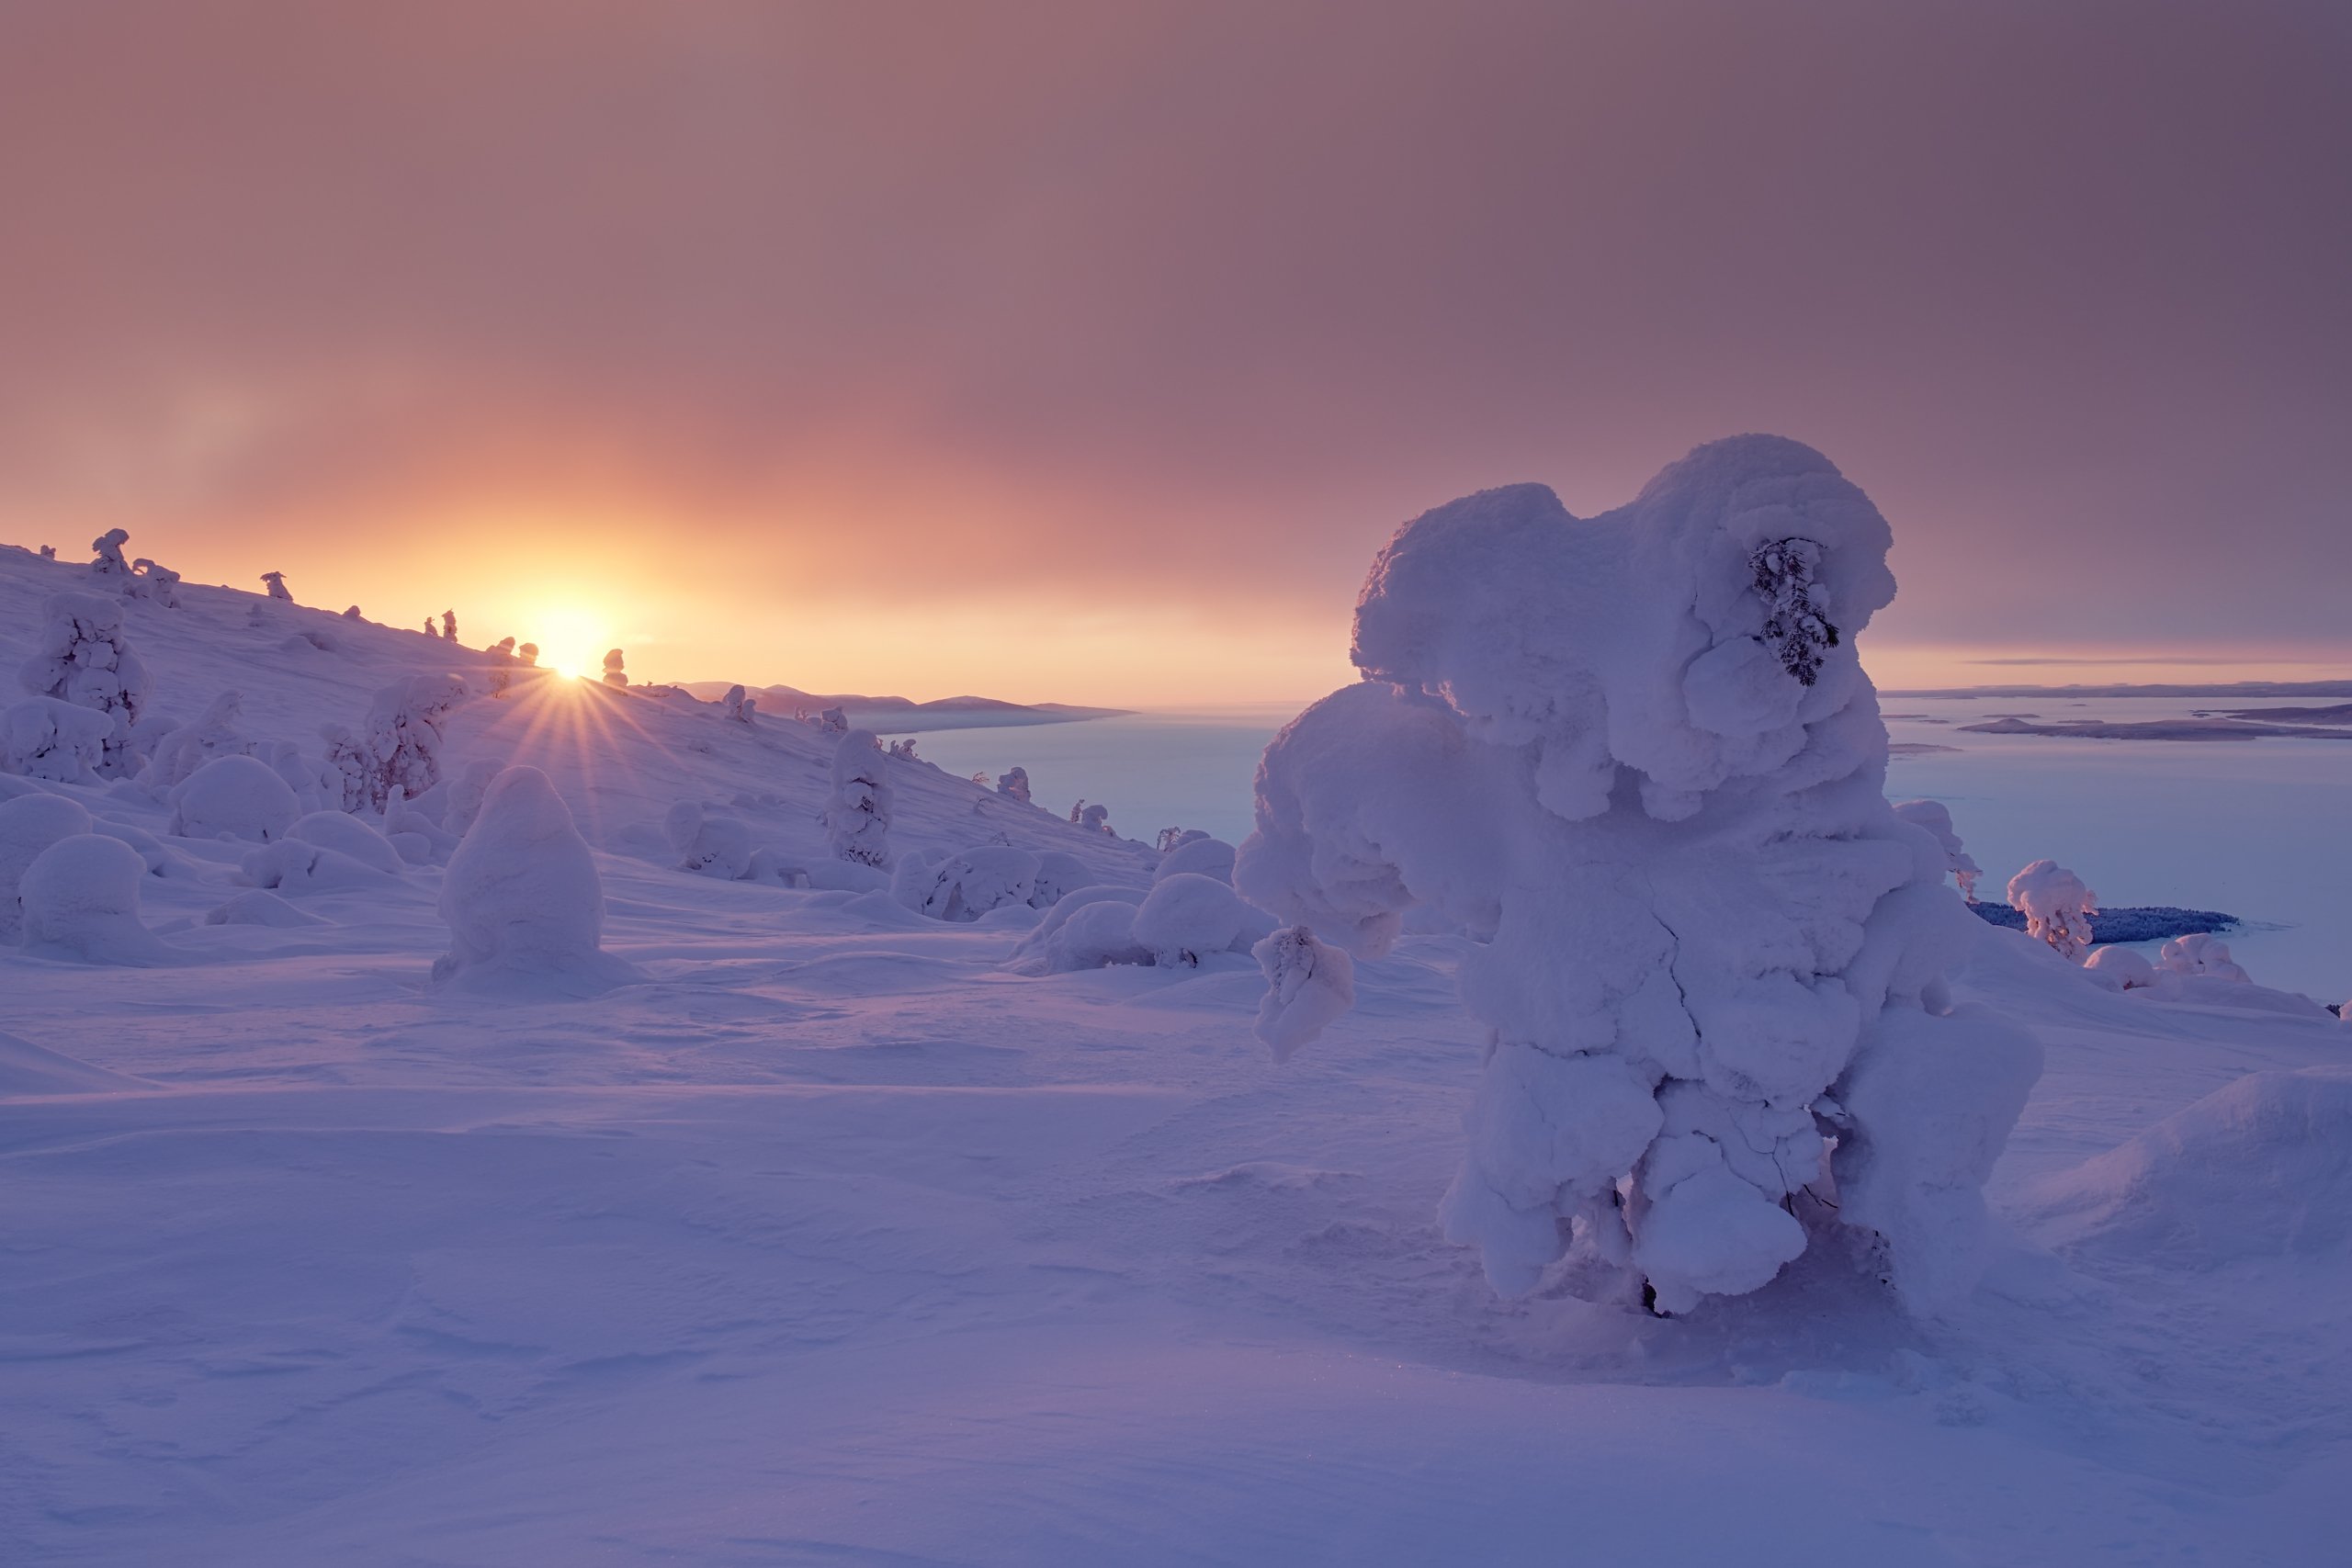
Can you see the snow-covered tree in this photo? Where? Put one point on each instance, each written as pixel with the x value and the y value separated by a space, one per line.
pixel 42 737
pixel 1635 762
pixel 432 630
pixel 81 657
pixel 833 721
pixel 708 845
pixel 107 547
pixel 528 655
pixel 49 552
pixel 2200 953
pixel 1012 782
pixel 449 625
pixel 966 886
pixel 904 750
pixel 2056 905
pixel 614 675
pixel 740 706
pixel 351 613
pixel 403 741
pixel 1094 819
pixel 216 732
pixel 1308 984
pixel 276 583
pixel 1173 839
pixel 521 895
pixel 857 817
pixel 157 584
pixel 1935 818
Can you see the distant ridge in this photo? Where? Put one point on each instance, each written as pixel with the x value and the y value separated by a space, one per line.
pixel 2230 689
pixel 900 714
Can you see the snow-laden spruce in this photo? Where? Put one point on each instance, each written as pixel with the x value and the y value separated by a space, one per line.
pixel 81 657
pixel 1935 818
pixel 402 746
pixel 523 898
pixel 1634 758
pixel 858 815
pixel 1014 783
pixel 2057 907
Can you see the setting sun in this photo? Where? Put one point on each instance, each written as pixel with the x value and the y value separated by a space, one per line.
pixel 571 639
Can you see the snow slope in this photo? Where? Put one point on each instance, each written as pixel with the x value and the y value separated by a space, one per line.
pixel 830 1240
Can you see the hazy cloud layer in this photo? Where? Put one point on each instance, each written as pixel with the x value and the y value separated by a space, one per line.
pixel 756 325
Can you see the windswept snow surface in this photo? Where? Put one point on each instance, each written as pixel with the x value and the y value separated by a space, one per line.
pixel 830 1239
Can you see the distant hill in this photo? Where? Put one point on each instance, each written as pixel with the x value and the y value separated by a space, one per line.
pixel 900 714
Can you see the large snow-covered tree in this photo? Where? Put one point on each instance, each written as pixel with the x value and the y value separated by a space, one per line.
pixel 857 816
pixel 1635 759
pixel 80 656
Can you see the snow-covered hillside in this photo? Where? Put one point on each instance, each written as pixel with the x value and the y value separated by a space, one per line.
pixel 825 1231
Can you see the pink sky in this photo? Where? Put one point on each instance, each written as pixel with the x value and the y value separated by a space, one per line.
pixel 1087 352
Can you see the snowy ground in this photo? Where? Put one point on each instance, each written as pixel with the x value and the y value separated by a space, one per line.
pixel 833 1242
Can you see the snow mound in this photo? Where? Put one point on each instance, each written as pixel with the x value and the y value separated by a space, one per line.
pixel 521 895
pixel 1935 818
pixel 2260 1169
pixel 257 907
pixel 81 901
pixel 2200 953
pixel 29 824
pixel 1202 856
pixel 1188 917
pixel 233 797
pixel 349 837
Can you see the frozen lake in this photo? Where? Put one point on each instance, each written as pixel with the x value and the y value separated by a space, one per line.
pixel 2252 827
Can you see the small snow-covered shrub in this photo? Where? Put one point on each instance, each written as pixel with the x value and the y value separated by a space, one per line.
pixel 107 548
pixel 521 895
pixel 29 824
pixel 2201 954
pixel 42 737
pixel 966 885
pixel 707 845
pixel 81 901
pixel 1014 784
pixel 277 582
pixel 348 836
pixel 857 817
pixel 81 657
pixel 345 776
pixel 1094 819
pixel 2056 905
pixel 1935 818
pixel 403 741
pixel 183 749
pixel 1201 856
pixel 1173 839
pixel 1188 917
pixel 1308 984
pixel 1058 872
pixel 2120 968
pixel 833 721
pixel 233 797
pixel 1635 759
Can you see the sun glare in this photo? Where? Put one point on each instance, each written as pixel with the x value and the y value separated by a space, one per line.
pixel 572 639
